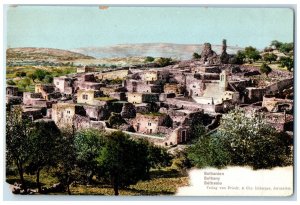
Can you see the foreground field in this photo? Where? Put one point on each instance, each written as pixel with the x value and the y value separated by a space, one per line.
pixel 162 182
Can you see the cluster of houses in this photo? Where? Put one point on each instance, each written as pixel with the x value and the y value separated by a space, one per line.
pixel 162 105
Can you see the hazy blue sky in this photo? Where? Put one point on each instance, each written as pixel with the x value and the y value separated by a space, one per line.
pixel 68 27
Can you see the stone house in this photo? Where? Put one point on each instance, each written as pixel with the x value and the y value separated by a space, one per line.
pixel 137 98
pixel 47 91
pixel 88 96
pixel 12 90
pixel 64 84
pixel 13 95
pixel 113 74
pixel 85 69
pixel 63 114
pixel 150 123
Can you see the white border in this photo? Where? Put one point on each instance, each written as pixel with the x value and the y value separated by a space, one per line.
pixel 212 200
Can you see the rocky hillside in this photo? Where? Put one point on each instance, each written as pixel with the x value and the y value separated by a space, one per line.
pixel 47 54
pixel 178 51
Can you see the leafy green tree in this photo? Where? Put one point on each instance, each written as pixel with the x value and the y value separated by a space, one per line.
pixel 252 54
pixel 250 141
pixel 40 74
pixel 270 57
pixel 24 83
pixel 65 170
pixel 10 82
pixel 276 44
pixel 87 144
pixel 44 143
pixel 123 160
pixel 20 74
pixel 196 56
pixel 287 62
pixel 18 132
pixel 286 47
pixel 149 59
pixel 264 68
pixel 48 79
pixel 162 62
pixel 32 76
pixel 240 57
pixel 158 157
pixel 209 151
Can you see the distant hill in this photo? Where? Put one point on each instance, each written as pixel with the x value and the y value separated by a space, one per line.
pixel 47 54
pixel 178 51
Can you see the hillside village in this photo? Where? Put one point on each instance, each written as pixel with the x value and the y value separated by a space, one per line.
pixel 160 104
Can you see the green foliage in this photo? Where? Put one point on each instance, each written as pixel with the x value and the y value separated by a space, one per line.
pixel 240 57
pixel 48 79
pixel 32 76
pixel 149 59
pixel 287 62
pixel 87 145
pixel 24 83
pixel 276 44
pixel 286 48
pixel 252 54
pixel 270 57
pixel 115 120
pixel 41 74
pixel 123 160
pixel 10 82
pixel 242 140
pixel 44 141
pixel 196 56
pixel 264 68
pixel 20 74
pixel 252 142
pixel 162 62
pixel 65 171
pixel 18 132
pixel 209 151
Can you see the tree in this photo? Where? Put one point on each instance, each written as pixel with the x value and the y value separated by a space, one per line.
pixel 209 150
pixel 18 132
pixel 264 68
pixel 20 74
pixel 196 56
pixel 41 74
pixel 252 54
pixel 252 142
pixel 269 57
pixel 286 47
pixel 32 76
pixel 276 44
pixel 287 62
pixel 10 82
pixel 157 157
pixel 240 57
pixel 44 143
pixel 24 83
pixel 48 79
pixel 162 62
pixel 123 160
pixel 66 159
pixel 149 59
pixel 87 145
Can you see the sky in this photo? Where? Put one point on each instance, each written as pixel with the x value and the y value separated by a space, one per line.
pixel 69 27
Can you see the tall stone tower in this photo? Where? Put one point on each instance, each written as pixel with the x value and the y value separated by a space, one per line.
pixel 223 80
pixel 224 56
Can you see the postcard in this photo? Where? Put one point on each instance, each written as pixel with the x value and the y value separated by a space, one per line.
pixel 147 101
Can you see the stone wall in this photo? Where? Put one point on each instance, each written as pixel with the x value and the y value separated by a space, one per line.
pixel 277 105
pixel 112 75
